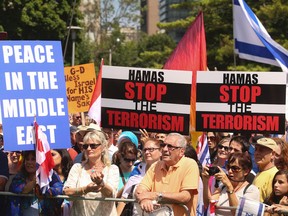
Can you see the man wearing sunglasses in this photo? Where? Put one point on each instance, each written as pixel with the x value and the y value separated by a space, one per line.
pixel 174 179
pixel 76 119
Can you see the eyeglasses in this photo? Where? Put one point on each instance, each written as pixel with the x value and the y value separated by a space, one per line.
pixel 78 117
pixel 212 138
pixel 128 160
pixel 149 149
pixel 170 147
pixel 92 146
pixel 226 148
pixel 233 168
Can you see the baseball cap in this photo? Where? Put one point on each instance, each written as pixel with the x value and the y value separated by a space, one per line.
pixel 93 126
pixel 255 138
pixel 267 142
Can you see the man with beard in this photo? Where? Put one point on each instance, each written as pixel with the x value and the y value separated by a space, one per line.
pixel 174 179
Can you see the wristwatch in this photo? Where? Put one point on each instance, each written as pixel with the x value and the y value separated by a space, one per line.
pixel 159 197
pixel 230 192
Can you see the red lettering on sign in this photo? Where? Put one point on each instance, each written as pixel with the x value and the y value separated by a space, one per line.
pixel 240 122
pixel 239 94
pixel 224 96
pixel 150 121
pixel 147 92
pixel 129 94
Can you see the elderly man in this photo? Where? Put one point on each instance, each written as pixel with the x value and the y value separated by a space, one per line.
pixel 264 157
pixel 76 119
pixel 174 179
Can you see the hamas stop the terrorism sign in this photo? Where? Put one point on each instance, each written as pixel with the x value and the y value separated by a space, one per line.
pixel 241 101
pixel 154 99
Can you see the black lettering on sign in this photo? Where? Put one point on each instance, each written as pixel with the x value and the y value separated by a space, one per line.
pixel 240 79
pixel 146 76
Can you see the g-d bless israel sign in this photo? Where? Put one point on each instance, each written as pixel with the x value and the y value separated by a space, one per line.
pixel 157 100
pixel 241 101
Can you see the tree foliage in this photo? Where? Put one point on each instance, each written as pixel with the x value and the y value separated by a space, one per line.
pixel 37 19
pixel 119 13
pixel 153 51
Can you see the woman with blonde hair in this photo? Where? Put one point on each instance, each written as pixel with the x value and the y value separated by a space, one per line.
pixel 94 177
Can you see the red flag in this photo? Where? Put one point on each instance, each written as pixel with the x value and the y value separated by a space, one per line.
pixel 95 104
pixel 190 54
pixel 44 159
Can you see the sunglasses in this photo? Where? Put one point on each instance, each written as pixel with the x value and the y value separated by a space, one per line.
pixel 170 147
pixel 212 138
pixel 92 146
pixel 128 160
pixel 149 149
pixel 78 117
pixel 226 148
pixel 233 168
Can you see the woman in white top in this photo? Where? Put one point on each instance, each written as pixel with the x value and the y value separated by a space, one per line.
pixel 95 177
pixel 233 184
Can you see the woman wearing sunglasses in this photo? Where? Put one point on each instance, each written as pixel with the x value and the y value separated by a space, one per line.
pixel 213 138
pixel 222 152
pixel 222 156
pixel 233 185
pixel 94 177
pixel 125 157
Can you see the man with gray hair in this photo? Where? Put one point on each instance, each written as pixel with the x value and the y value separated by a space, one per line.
pixel 265 151
pixel 174 179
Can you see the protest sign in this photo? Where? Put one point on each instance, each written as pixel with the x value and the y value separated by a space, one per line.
pixel 80 82
pixel 33 86
pixel 241 101
pixel 155 99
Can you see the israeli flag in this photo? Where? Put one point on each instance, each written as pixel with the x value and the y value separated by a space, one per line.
pixel 252 41
pixel 248 207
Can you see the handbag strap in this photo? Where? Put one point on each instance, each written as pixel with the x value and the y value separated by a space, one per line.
pixel 245 189
pixel 130 195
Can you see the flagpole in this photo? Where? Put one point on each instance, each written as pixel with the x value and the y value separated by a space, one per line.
pixel 234 55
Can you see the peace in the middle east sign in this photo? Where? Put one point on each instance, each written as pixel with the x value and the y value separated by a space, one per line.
pixel 155 99
pixel 241 101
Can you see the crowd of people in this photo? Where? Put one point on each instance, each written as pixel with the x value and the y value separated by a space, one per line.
pixel 161 171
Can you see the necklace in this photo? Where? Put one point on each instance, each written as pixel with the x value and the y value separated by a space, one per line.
pixel 97 168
